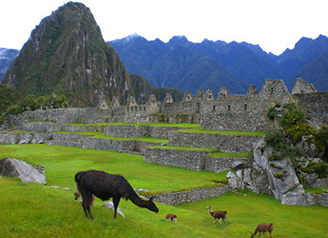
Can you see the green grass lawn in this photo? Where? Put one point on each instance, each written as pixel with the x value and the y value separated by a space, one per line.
pixel 35 210
pixel 172 147
pixel 103 135
pixel 61 163
pixel 244 133
pixel 157 124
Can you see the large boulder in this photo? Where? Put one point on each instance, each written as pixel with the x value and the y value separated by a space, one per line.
pixel 16 168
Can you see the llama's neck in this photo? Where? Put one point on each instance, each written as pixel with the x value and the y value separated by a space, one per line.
pixel 210 211
pixel 137 200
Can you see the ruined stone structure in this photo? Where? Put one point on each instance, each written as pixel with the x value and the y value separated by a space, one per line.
pixel 226 112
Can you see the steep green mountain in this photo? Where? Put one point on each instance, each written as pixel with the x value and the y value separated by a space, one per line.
pixel 144 89
pixel 188 66
pixel 66 54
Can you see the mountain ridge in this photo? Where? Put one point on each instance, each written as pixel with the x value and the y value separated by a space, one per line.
pixel 246 63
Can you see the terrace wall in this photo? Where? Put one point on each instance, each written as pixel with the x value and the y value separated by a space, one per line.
pixel 223 142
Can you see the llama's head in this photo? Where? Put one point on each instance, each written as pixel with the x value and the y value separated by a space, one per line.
pixel 151 205
pixel 77 194
pixel 208 208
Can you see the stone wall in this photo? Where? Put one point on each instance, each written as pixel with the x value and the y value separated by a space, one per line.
pixel 227 143
pixel 193 195
pixel 128 131
pixel 39 126
pixel 220 164
pixel 181 107
pixel 193 160
pixel 132 131
pixel 23 138
pixel 236 113
pixel 83 128
pixel 84 141
pixel 316 103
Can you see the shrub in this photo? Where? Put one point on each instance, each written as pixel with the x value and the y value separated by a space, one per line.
pixel 321 141
pixel 320 168
pixel 293 114
pixel 271 113
pixel 278 175
pixel 276 139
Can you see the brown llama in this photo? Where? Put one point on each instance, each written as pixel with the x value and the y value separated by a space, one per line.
pixel 172 217
pixel 105 186
pixel 262 228
pixel 218 215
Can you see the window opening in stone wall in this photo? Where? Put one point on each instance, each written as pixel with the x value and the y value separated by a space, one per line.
pixel 127 108
pixel 209 96
pixel 144 108
pixel 271 90
pixel 131 109
pixel 140 108
pixel 213 108
pixel 229 107
pixel 245 108
pixel 136 108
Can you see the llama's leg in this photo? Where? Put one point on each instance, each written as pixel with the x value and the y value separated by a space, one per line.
pixel 220 221
pixel 214 220
pixel 116 201
pixel 87 200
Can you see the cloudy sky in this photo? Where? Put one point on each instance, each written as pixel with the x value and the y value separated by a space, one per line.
pixel 273 24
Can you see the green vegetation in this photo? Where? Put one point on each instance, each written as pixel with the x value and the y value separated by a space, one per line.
pixel 241 133
pixel 155 124
pixel 172 147
pixel 278 175
pixel 8 97
pixel 61 163
pixel 314 190
pixel 102 135
pixel 321 141
pixel 48 212
pixel 319 168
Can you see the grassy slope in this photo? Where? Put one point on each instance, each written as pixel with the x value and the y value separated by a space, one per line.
pixel 33 210
pixel 61 163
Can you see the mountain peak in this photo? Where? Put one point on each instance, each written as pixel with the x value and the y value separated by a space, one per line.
pixel 66 54
pixel 179 40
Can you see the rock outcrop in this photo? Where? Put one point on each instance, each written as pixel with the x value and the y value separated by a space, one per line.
pixel 12 167
pixel 276 177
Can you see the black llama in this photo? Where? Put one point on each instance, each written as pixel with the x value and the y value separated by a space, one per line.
pixel 105 186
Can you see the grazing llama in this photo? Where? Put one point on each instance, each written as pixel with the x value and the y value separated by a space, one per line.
pixel 218 215
pixel 172 217
pixel 105 186
pixel 262 228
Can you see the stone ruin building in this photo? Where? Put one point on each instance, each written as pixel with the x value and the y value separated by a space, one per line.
pixel 225 112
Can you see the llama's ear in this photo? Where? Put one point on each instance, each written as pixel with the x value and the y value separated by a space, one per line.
pixel 151 199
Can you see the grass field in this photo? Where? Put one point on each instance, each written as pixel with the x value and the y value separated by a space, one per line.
pixel 156 124
pixel 103 135
pixel 240 133
pixel 34 210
